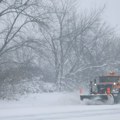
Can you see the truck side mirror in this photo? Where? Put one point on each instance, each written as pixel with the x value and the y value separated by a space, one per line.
pixel 91 90
pixel 94 81
pixel 91 82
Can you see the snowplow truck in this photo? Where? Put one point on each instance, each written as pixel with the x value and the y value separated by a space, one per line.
pixel 104 88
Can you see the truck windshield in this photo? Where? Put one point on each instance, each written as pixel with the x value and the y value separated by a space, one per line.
pixel 109 78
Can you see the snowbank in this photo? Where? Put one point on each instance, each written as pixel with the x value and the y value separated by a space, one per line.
pixel 42 100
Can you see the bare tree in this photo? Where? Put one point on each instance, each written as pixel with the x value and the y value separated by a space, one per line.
pixel 72 42
pixel 55 36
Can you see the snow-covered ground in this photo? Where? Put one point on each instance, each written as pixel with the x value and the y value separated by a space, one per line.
pixel 56 106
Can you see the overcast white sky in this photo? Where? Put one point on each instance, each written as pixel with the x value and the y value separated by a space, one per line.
pixel 111 13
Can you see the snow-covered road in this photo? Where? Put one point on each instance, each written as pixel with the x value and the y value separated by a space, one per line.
pixel 56 107
pixel 73 112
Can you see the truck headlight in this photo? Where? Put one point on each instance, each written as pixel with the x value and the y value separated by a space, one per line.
pixel 114 83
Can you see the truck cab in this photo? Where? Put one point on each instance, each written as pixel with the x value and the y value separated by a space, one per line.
pixel 104 87
pixel 105 84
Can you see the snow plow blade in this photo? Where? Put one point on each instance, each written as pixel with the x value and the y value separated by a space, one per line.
pixel 102 97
